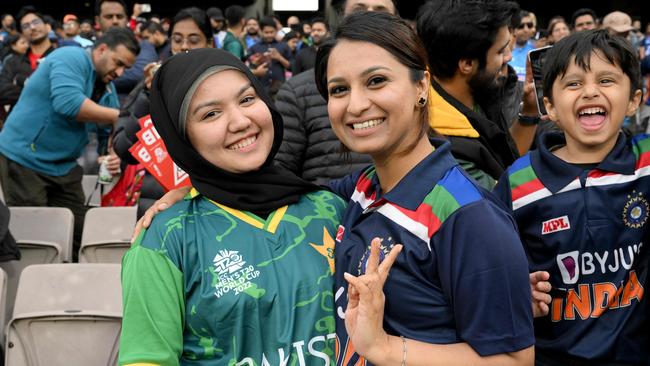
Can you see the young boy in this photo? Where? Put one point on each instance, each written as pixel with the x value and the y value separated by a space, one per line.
pixel 581 202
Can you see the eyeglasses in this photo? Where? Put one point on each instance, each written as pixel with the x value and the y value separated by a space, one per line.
pixel 530 25
pixel 192 40
pixel 33 24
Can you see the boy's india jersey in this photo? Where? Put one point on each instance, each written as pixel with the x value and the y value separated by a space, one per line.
pixel 589 229
pixel 239 290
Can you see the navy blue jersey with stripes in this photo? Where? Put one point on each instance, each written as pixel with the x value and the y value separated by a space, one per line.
pixel 588 228
pixel 462 274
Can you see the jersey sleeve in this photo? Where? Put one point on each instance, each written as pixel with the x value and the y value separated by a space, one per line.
pixel 484 271
pixel 344 187
pixel 153 304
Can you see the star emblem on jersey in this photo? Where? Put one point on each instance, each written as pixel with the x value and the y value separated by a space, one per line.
pixel 326 249
pixel 635 212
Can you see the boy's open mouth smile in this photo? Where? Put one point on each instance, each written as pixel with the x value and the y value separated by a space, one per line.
pixel 591 118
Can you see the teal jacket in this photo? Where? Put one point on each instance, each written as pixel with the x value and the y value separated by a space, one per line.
pixel 41 132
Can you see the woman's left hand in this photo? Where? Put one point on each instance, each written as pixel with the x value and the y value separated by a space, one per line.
pixel 365 312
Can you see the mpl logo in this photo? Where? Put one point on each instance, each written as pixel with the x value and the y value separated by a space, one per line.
pixel 569 266
pixel 228 261
pixel 555 225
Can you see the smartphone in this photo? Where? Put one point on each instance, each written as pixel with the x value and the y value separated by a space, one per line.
pixel 146 8
pixel 536 58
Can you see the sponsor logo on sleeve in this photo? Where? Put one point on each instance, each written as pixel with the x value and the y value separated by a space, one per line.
pixel 555 225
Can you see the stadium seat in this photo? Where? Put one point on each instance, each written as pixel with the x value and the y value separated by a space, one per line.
pixel 66 314
pixel 107 234
pixel 43 235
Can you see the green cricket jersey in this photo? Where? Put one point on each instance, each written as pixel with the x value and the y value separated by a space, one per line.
pixel 211 285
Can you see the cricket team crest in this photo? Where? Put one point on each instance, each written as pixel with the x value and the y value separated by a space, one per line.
pixel 384 250
pixel 635 212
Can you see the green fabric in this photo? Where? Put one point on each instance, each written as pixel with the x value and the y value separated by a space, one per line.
pixel 152 295
pixel 233 45
pixel 522 176
pixel 442 203
pixel 205 286
pixel 483 179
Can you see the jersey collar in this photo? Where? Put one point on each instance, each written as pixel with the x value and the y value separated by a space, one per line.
pixel 416 184
pixel 556 174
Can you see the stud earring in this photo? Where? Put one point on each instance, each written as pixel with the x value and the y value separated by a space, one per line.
pixel 422 102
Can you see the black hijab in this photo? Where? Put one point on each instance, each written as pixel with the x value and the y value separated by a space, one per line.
pixel 260 191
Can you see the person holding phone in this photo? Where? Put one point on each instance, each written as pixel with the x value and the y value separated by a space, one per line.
pixel 274 54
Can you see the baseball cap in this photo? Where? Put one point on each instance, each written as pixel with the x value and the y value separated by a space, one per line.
pixel 618 21
pixel 70 17
pixel 215 13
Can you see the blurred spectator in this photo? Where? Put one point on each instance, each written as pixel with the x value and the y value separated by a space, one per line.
pixel 621 24
pixel 557 29
pixel 217 21
pixel 112 14
pixel 292 20
pixel 235 22
pixel 48 128
pixel 14 46
pixel 7 27
pixel 252 34
pixel 386 6
pixel 523 32
pixel 291 39
pixel 306 57
pixel 72 30
pixel 272 53
pixel 584 19
pixel 153 32
pixel 86 30
pixel 17 69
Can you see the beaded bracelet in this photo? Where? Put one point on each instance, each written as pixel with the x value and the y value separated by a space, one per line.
pixel 403 350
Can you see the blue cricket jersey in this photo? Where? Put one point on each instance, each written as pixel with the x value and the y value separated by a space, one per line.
pixel 588 228
pixel 462 275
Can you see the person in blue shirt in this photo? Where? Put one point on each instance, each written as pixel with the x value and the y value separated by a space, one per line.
pixel 275 54
pixel 48 128
pixel 581 204
pixel 458 293
pixel 524 33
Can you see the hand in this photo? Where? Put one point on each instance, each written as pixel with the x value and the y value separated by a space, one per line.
pixel 261 70
pixel 137 10
pixel 149 72
pixel 112 163
pixel 165 201
pixel 364 315
pixel 273 53
pixel 540 287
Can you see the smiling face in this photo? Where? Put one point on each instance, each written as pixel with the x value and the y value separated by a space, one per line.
pixel 493 74
pixel 228 124
pixel 372 99
pixel 186 36
pixel 590 105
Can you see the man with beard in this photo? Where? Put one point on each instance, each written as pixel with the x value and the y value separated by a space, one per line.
pixel 468 44
pixel 70 92
pixel 306 57
pixel 17 69
pixel 252 32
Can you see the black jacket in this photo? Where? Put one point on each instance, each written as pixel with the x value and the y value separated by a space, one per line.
pixel 310 148
pixel 15 71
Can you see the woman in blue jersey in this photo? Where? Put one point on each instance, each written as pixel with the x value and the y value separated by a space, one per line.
pixel 458 293
pixel 240 271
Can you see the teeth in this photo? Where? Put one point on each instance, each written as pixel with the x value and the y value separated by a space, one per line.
pixel 593 110
pixel 367 124
pixel 242 144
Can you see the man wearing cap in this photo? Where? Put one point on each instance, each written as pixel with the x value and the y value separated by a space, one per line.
pixel 217 21
pixel 621 24
pixel 71 28
pixel 16 70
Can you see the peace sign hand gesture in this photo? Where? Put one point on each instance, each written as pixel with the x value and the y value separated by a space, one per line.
pixel 365 312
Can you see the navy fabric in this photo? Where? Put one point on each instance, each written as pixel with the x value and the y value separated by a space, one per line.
pixel 588 228
pixel 466 281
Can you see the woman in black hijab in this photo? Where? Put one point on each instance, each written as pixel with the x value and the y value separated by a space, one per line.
pixel 241 270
